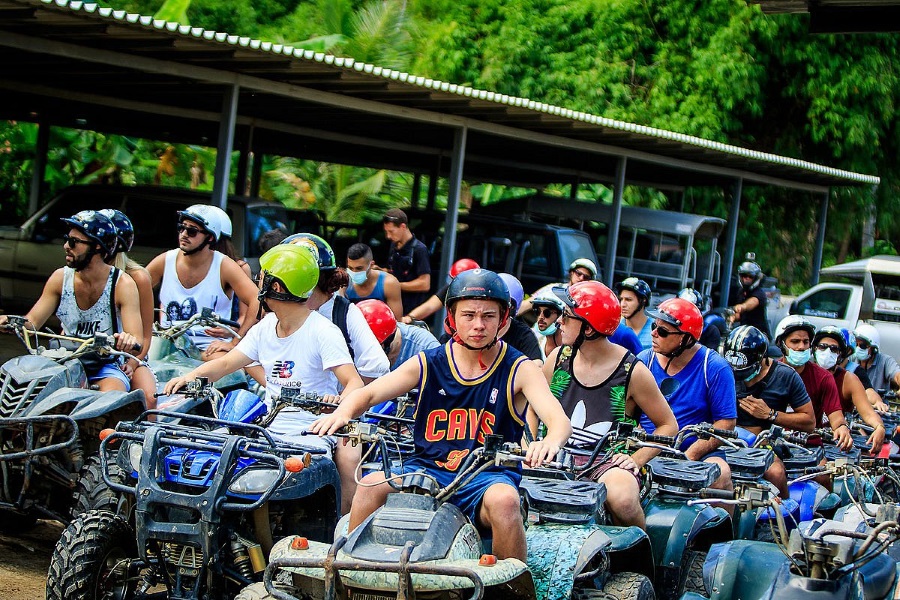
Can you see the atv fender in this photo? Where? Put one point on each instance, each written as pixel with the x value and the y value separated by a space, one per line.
pixel 809 495
pixel 673 526
pixel 321 472
pixel 742 569
pixel 88 403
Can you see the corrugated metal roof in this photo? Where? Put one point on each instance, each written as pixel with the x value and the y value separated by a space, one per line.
pixel 348 85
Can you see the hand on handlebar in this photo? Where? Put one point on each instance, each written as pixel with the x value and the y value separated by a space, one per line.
pixel 125 342
pixel 624 461
pixel 842 438
pixel 176 384
pixel 876 440
pixel 540 452
pixel 881 407
pixel 329 424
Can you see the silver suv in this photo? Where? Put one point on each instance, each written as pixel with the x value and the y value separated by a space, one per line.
pixel 31 252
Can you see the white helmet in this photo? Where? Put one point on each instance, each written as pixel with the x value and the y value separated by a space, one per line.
pixel 225 221
pixel 793 323
pixel 549 299
pixel 867 332
pixel 205 215
pixel 585 263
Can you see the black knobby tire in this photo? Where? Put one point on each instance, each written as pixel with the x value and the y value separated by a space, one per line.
pixel 692 573
pixel 88 560
pixel 629 586
pixel 92 493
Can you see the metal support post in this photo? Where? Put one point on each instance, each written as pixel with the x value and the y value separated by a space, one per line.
pixel 256 173
pixel 225 144
pixel 820 240
pixel 612 235
pixel 448 249
pixel 730 241
pixel 416 193
pixel 38 167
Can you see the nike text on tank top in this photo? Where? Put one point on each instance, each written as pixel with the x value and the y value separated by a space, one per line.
pixel 592 407
pixel 454 414
pixel 179 304
pixel 85 323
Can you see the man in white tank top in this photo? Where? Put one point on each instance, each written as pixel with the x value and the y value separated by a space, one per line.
pixel 79 294
pixel 195 276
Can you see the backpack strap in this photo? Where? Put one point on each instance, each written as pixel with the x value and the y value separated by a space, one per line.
pixel 339 318
pixel 112 301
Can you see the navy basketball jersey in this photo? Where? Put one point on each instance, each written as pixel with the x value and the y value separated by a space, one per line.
pixel 454 414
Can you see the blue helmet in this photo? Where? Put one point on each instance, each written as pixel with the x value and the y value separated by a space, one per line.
pixel 640 287
pixel 124 228
pixel 516 292
pixel 97 227
pixel 320 249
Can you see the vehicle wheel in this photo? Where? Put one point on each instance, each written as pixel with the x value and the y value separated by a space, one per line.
pixel 92 493
pixel 14 523
pixel 630 586
pixel 90 560
pixel 692 572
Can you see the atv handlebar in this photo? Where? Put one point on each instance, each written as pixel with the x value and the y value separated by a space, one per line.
pixel 206 317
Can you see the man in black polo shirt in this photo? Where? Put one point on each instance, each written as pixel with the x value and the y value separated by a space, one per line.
pixel 751 306
pixel 408 260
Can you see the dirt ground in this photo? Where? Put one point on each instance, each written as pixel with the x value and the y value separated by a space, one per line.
pixel 24 558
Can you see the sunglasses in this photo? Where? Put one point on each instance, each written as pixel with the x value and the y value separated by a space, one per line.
pixel 566 316
pixel 581 274
pixel 547 313
pixel 189 231
pixel 663 333
pixel 862 344
pixel 833 347
pixel 71 241
pixel 391 220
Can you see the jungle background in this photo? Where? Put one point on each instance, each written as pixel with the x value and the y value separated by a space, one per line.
pixel 718 69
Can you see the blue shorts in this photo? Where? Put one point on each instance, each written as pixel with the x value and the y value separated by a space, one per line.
pixel 468 498
pixel 717 453
pixel 111 370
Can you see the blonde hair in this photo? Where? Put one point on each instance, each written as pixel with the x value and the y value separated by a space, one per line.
pixel 123 263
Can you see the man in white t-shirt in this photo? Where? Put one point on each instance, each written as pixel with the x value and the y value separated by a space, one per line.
pixel 297 348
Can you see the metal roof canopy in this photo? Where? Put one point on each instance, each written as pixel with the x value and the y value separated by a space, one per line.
pixel 840 16
pixel 80 65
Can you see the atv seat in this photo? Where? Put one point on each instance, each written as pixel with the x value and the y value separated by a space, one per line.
pixel 682 476
pixel 853 454
pixel 563 501
pixel 802 458
pixel 748 464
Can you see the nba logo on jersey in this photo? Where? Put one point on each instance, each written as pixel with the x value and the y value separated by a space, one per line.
pixel 494 393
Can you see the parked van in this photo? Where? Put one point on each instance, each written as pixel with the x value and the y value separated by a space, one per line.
pixel 863 290
pixel 31 252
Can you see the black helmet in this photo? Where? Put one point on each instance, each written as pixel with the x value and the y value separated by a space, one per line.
pixel 97 227
pixel 835 333
pixel 745 349
pixel 124 228
pixel 750 269
pixel 322 252
pixel 640 288
pixel 476 284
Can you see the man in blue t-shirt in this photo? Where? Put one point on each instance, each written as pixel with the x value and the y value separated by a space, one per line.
pixel 697 382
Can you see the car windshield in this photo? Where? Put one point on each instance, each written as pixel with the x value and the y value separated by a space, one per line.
pixel 574 245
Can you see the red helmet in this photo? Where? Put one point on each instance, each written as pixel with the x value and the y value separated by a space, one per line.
pixel 593 302
pixel 380 318
pixel 681 313
pixel 463 264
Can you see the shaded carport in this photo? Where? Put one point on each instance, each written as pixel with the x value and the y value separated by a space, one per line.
pixel 79 65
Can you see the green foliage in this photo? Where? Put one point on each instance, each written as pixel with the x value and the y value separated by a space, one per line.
pixel 174 10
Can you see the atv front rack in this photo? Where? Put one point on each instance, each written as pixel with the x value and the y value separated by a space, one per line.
pixel 333 566
pixel 27 425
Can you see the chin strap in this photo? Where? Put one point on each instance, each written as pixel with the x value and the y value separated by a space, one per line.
pixel 206 242
pixel 687 341
pixel 267 292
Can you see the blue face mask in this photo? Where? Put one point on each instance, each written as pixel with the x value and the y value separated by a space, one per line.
pixel 755 373
pixel 358 277
pixel 861 354
pixel 550 330
pixel 798 358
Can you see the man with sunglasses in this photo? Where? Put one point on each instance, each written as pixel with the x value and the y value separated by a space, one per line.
pixel 598 384
pixel 829 348
pixel 882 370
pixel 697 383
pixel 408 260
pixel 196 275
pixel 110 295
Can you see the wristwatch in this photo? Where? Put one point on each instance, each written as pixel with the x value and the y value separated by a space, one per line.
pixel 773 415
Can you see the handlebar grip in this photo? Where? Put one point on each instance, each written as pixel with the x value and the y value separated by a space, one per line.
pixel 726 433
pixel 230 323
pixel 666 440
pixel 716 494
pixel 138 347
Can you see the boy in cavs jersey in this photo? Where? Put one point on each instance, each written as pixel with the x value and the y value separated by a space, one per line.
pixel 473 385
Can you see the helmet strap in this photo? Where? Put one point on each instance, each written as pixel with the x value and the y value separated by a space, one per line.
pixel 687 341
pixel 268 292
pixel 207 241
pixel 450 326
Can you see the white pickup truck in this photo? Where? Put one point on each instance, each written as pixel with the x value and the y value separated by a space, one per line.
pixel 863 290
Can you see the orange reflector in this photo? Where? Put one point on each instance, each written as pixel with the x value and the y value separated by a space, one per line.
pixel 105 433
pixel 487 560
pixel 294 464
pixel 300 543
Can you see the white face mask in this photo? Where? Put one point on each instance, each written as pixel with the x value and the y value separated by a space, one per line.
pixel 826 359
pixel 358 277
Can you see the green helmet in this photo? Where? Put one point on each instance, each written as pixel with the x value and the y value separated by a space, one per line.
pixel 294 266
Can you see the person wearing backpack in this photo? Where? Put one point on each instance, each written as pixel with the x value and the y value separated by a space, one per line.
pixel 369 358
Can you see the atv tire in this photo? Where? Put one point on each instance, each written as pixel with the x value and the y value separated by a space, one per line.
pixel 92 493
pixel 88 560
pixel 692 573
pixel 629 586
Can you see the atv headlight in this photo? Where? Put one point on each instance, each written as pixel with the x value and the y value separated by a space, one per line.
pixel 254 481
pixel 134 456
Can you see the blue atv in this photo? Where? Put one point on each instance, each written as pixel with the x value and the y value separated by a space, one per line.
pixel 210 496
pixel 418 545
